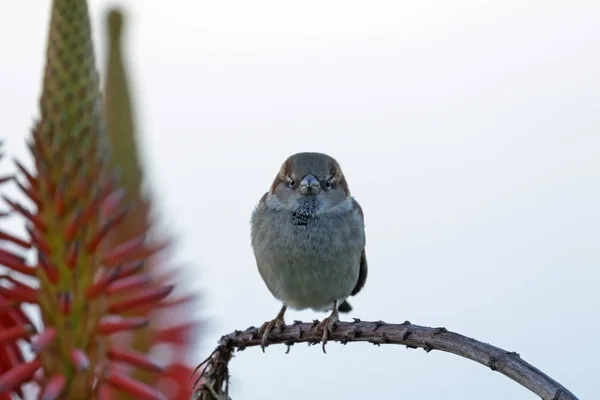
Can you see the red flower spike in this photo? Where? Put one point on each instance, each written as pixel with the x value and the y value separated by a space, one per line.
pixel 80 188
pixel 15 240
pixel 36 220
pixel 119 272
pixel 44 175
pixel 80 360
pixel 92 208
pixel 152 250
pixel 72 255
pixel 73 226
pixel 146 297
pixel 32 181
pixel 94 174
pixel 113 325
pixel 49 268
pixel 65 301
pixel 125 251
pixel 180 334
pixel 16 332
pixel 31 193
pixel 131 268
pixel 16 315
pixel 179 301
pixel 137 389
pixel 7 308
pixel 105 393
pixel 108 185
pixel 19 291
pixel 103 231
pixel 40 341
pixel 112 202
pixel 15 263
pixel 135 359
pixel 30 145
pixel 132 283
pixel 11 357
pixel 37 239
pixel 19 296
pixel 59 199
pixel 54 388
pixel 17 375
pixel 98 287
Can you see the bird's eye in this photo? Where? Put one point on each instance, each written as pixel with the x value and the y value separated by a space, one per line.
pixel 291 182
pixel 328 184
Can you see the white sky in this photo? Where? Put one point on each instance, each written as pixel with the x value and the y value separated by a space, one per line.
pixel 468 131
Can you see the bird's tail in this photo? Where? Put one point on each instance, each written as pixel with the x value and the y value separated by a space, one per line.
pixel 345 307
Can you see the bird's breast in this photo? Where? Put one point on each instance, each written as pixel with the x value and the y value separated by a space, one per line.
pixel 309 261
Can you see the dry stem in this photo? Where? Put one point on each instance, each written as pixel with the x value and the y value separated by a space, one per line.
pixel 212 384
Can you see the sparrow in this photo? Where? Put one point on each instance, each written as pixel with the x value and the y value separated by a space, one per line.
pixel 308 239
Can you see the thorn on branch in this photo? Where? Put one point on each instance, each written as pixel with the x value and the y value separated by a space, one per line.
pixel 492 363
pixel 381 340
pixel 405 334
pixel 377 325
pixel 439 331
pixel 557 395
pixel 427 347
pixel 254 333
pixel 350 335
pixel 289 345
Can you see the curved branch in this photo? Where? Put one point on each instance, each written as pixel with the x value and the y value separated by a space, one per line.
pixel 214 379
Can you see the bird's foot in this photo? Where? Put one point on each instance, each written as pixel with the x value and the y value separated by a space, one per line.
pixel 268 326
pixel 327 325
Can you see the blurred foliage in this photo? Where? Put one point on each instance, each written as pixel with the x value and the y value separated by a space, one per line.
pixel 100 281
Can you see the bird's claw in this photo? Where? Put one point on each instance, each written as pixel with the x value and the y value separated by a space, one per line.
pixel 328 325
pixel 267 327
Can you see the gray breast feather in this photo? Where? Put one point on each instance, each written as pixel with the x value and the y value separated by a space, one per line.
pixel 308 261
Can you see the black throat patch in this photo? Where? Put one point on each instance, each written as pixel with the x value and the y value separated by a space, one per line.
pixel 305 211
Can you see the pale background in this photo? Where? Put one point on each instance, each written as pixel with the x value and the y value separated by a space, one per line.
pixel 468 130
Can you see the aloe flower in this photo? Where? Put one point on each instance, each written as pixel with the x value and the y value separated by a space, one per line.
pixel 97 278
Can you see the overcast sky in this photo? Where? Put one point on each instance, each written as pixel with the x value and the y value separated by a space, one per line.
pixel 469 131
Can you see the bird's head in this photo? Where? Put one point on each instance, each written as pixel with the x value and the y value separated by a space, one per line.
pixel 313 180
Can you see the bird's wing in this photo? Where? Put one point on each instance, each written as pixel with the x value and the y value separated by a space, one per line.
pixel 362 275
pixel 345 307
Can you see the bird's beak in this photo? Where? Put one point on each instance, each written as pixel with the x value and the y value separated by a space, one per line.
pixel 310 185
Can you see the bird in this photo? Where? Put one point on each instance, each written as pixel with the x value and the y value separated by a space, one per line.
pixel 308 239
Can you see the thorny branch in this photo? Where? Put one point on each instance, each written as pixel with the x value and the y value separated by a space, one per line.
pixel 213 381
